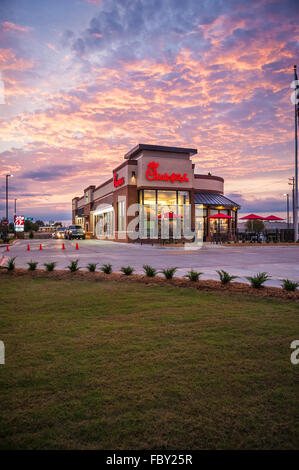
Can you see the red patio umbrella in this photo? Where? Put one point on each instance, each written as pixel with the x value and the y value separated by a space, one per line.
pixel 220 216
pixel 273 217
pixel 252 217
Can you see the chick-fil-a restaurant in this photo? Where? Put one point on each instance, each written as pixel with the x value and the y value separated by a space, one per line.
pixel 154 194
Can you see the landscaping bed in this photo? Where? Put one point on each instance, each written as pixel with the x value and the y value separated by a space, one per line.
pixel 205 285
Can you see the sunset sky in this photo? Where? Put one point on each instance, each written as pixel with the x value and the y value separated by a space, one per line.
pixel 86 80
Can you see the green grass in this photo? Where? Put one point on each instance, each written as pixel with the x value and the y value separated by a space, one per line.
pixel 106 365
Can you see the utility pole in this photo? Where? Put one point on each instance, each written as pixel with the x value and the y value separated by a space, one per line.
pixel 288 209
pixel 292 184
pixel 296 158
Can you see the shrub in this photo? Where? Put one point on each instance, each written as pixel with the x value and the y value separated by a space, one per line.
pixel 225 277
pixel 73 267
pixel 193 275
pixel 50 266
pixel 127 270
pixel 168 273
pixel 106 268
pixel 11 264
pixel 92 267
pixel 31 235
pixel 149 271
pixel 289 285
pixel 32 265
pixel 258 280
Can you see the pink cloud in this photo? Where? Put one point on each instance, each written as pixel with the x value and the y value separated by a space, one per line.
pixel 8 27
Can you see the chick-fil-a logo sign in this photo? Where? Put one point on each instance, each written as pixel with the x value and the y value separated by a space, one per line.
pixel 117 182
pixel 152 174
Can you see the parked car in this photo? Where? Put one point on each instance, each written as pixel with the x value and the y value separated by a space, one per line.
pixel 59 233
pixel 75 231
pixel 258 238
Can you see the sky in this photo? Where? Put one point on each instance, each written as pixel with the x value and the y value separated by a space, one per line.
pixel 83 81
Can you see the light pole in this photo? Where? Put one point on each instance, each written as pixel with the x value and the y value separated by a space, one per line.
pixel 288 209
pixel 15 206
pixel 7 176
pixel 292 183
pixel 296 158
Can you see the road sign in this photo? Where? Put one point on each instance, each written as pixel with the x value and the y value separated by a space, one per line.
pixel 4 222
pixel 29 218
pixel 19 223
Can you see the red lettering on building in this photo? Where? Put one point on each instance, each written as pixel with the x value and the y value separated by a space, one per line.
pixel 117 182
pixel 152 175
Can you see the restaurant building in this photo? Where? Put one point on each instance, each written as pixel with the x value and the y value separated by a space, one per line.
pixel 162 180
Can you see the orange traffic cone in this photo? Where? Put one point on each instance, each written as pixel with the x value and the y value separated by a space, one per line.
pixel 7 248
pixel 28 247
pixel 77 246
pixel 63 247
pixel 40 246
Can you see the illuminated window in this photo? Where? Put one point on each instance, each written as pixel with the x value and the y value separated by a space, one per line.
pixel 183 197
pixel 149 197
pixel 121 216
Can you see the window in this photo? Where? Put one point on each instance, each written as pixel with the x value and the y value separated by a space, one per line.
pixel 183 197
pixel 149 197
pixel 167 198
pixel 164 209
pixel 121 216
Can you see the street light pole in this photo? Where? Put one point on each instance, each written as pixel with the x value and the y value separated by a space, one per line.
pixel 7 176
pixel 7 197
pixel 292 183
pixel 288 209
pixel 296 160
pixel 15 206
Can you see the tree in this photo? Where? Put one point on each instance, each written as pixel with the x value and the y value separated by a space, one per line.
pixel 30 226
pixel 255 226
pixel 40 223
pixel 58 224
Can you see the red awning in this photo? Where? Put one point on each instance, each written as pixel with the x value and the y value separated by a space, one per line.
pixel 273 217
pixel 252 217
pixel 220 216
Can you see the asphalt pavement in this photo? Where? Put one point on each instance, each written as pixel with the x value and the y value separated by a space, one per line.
pixel 278 261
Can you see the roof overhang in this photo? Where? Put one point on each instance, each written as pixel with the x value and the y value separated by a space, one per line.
pixel 158 148
pixel 214 199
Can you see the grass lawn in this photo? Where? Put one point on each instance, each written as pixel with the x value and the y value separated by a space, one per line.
pixel 107 365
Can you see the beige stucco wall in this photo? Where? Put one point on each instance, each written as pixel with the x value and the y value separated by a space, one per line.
pixel 176 163
pixel 204 184
pixel 103 191
pixel 81 203
pixel 126 173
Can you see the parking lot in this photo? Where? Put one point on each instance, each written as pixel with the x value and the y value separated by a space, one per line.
pixel 279 261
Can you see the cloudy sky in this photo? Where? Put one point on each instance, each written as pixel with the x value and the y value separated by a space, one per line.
pixel 86 80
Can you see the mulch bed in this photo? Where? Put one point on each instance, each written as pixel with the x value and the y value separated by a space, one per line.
pixel 208 285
